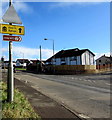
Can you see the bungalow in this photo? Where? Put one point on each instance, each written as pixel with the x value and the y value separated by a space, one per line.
pixel 72 57
pixel 22 62
pixel 104 62
pixel 35 62
pixel 36 65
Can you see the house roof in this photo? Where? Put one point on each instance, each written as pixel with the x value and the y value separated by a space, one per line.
pixel 34 60
pixel 22 60
pixel 37 60
pixel 110 58
pixel 69 53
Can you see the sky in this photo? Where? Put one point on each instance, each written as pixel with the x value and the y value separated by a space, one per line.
pixel 83 25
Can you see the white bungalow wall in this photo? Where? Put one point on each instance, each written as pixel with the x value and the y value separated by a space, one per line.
pixel 68 61
pixel 58 61
pixel 91 59
pixel 78 60
pixel 87 58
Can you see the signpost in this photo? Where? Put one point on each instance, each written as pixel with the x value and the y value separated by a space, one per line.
pixel 11 29
pixel 11 17
pixel 12 38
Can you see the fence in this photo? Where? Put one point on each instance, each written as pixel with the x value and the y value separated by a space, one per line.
pixel 70 69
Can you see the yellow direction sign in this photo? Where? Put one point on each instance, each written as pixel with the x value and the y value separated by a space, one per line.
pixel 11 29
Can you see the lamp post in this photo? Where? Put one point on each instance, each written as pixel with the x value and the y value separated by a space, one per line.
pixel 40 60
pixel 53 43
pixel 53 54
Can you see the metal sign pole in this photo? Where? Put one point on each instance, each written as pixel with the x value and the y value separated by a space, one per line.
pixel 10 91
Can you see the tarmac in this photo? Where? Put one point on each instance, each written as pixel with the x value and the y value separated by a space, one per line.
pixel 46 107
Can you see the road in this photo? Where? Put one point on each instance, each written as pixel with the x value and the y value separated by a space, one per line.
pixel 88 96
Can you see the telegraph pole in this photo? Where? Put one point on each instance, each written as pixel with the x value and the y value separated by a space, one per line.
pixel 10 84
pixel 40 59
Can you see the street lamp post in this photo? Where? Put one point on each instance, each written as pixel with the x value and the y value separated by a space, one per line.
pixel 53 54
pixel 53 43
pixel 40 60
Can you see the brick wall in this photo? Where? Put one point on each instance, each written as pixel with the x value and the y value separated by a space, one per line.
pixel 105 66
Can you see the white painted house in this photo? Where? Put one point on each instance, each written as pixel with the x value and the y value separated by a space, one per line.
pixel 72 57
pixel 22 62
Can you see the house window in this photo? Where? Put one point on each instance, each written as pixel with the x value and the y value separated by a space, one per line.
pixel 63 63
pixel 99 60
pixel 73 58
pixel 53 60
pixel 62 59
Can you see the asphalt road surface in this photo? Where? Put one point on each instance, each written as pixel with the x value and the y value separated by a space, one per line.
pixel 88 96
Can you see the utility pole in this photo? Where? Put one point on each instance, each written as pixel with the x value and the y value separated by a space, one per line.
pixel 10 80
pixel 40 59
pixel 53 47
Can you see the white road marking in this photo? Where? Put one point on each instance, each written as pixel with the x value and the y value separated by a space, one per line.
pixel 83 116
pixel 108 84
pixel 85 80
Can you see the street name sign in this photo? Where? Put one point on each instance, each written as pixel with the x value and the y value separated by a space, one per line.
pixel 11 29
pixel 12 38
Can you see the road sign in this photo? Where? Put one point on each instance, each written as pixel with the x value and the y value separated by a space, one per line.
pixel 12 38
pixel 11 29
pixel 11 16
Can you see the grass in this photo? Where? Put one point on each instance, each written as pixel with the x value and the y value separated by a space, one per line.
pixel 19 108
pixel 20 69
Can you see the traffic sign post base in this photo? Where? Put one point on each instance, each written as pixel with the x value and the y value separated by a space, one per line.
pixel 10 80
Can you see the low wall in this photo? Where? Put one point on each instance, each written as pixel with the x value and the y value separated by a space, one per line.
pixel 71 69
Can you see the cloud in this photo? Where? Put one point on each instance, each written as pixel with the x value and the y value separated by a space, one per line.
pixel 4 50
pixel 61 4
pixel 19 6
pixel 33 53
pixel 23 7
pixel 29 53
pixel 69 3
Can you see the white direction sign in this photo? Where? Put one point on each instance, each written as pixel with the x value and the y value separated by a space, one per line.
pixel 11 16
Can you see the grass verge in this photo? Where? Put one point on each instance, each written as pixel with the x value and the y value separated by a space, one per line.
pixel 19 108
pixel 24 69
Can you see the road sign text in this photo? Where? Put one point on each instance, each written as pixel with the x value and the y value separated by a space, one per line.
pixel 12 38
pixel 11 29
